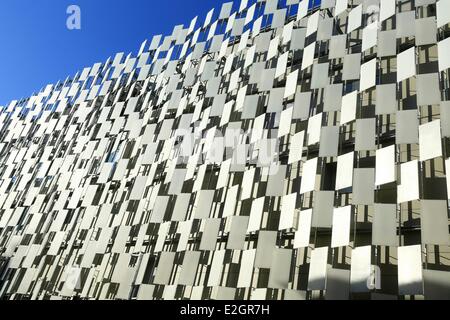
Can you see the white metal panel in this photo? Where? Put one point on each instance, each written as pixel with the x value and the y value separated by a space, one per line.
pixel 360 271
pixel 189 268
pixel 387 9
pixel 384 225
pixel 246 270
pixel 344 171
pixel 410 278
pixel 288 208
pixel 340 236
pixel 302 235
pixel 308 181
pixel 348 110
pixel 443 12
pixel 280 270
pixel 265 249
pixel 444 54
pixel 385 170
pixel 256 214
pixel 368 75
pixel 318 269
pixel 296 147
pixel 406 64
pixel 430 140
pixel 434 222
pixel 408 189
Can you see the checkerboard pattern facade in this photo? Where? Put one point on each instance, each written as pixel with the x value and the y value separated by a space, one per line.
pixel 274 150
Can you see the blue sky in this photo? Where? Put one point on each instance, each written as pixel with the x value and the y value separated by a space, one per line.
pixel 37 48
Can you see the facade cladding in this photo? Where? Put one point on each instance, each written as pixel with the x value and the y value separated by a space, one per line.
pixel 272 151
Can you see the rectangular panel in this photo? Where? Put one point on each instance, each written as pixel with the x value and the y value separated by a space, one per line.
pixel 246 270
pixel 338 46
pixel 410 270
pixel 443 12
pixel 325 29
pixel 360 271
pixel 364 186
pixel 354 19
pixel 313 23
pixel 425 31
pixel 344 172
pixel 352 66
pixel 318 269
pixel 177 181
pixel 285 122
pixel 202 206
pixel 444 54
pixel 291 84
pixel 370 36
pixel 301 105
pixel 323 209
pixel 320 75
pixel 406 64
pixel 181 207
pixel 280 269
pixel 236 236
pixel 210 234
pixel 314 129
pixel 387 9
pixel 348 110
pixel 281 64
pixel 329 140
pixel 217 266
pixel 298 39
pixel 385 165
pixel 159 209
pixel 332 100
pixel 428 89
pixel 296 147
pixel 189 268
pixel 275 184
pixel 387 43
pixel 338 284
pixel 340 236
pixel 230 201
pixel 288 208
pixel 408 189
pixel 184 229
pixel 265 249
pixel 302 235
pixel 308 56
pixel 405 24
pixel 341 6
pixel 365 134
pixel 407 127
pixel 384 225
pixel 436 285
pixel 256 214
pixel 308 181
pixel 386 99
pixel 434 222
pixel 430 140
pixel 247 183
pixel 368 75
pixel 164 270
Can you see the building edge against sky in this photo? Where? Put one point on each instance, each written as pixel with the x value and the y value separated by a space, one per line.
pixel 269 151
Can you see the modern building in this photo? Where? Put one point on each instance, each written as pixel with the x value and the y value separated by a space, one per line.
pixel 274 150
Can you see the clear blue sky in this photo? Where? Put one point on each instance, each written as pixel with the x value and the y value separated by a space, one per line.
pixel 37 48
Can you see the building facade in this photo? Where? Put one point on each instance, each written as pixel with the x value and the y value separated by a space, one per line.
pixel 273 150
